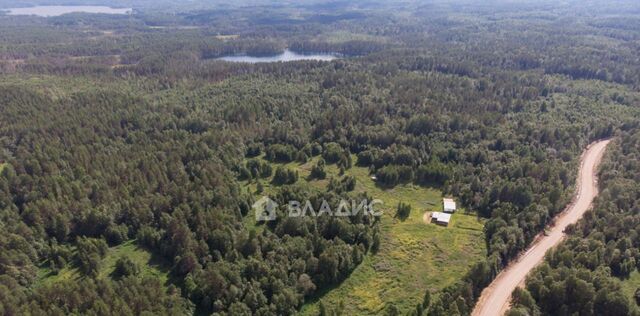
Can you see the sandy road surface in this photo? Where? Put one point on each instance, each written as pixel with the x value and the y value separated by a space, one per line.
pixel 494 300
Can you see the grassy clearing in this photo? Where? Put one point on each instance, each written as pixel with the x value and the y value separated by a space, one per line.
pixel 629 287
pixel 150 266
pixel 413 257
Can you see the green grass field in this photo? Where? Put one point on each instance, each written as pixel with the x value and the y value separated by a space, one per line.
pixel 149 265
pixel 629 287
pixel 414 256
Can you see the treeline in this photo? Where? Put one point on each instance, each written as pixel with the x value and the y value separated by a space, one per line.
pixel 249 46
pixel 583 274
pixel 348 48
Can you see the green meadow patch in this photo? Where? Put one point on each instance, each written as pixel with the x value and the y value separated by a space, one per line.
pixel 629 287
pixel 414 255
pixel 150 266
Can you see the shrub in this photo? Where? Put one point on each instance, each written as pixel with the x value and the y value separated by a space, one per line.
pixel 317 171
pixel 125 267
pixel 404 210
pixel 285 176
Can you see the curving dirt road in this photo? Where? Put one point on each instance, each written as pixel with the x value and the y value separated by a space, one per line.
pixel 495 299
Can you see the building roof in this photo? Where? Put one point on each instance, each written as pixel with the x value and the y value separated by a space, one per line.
pixel 449 204
pixel 445 218
pixel 441 217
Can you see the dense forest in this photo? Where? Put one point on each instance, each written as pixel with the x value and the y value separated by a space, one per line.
pixel 128 128
pixel 584 274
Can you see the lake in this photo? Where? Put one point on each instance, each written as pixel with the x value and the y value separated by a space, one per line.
pixel 287 55
pixel 47 11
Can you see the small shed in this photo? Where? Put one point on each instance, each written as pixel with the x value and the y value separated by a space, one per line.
pixel 441 218
pixel 449 205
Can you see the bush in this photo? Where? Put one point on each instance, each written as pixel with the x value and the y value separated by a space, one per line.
pixel 89 255
pixel 254 150
pixel 393 175
pixel 346 184
pixel 404 210
pixel 116 235
pixel 258 168
pixel 366 158
pixel 285 176
pixel 125 267
pixel 349 183
pixel 281 153
pixel 332 152
pixel 317 171
pixel 345 161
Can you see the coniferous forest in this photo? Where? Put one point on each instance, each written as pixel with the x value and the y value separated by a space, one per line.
pixel 131 155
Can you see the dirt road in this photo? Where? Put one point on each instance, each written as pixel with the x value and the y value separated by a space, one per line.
pixel 494 300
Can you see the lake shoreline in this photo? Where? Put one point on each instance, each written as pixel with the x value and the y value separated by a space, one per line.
pixel 286 56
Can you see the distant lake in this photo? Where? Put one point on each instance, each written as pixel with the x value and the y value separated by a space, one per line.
pixel 286 56
pixel 47 11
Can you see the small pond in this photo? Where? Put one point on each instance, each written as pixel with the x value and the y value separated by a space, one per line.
pixel 287 55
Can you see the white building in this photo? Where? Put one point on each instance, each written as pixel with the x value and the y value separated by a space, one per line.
pixel 441 218
pixel 449 205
